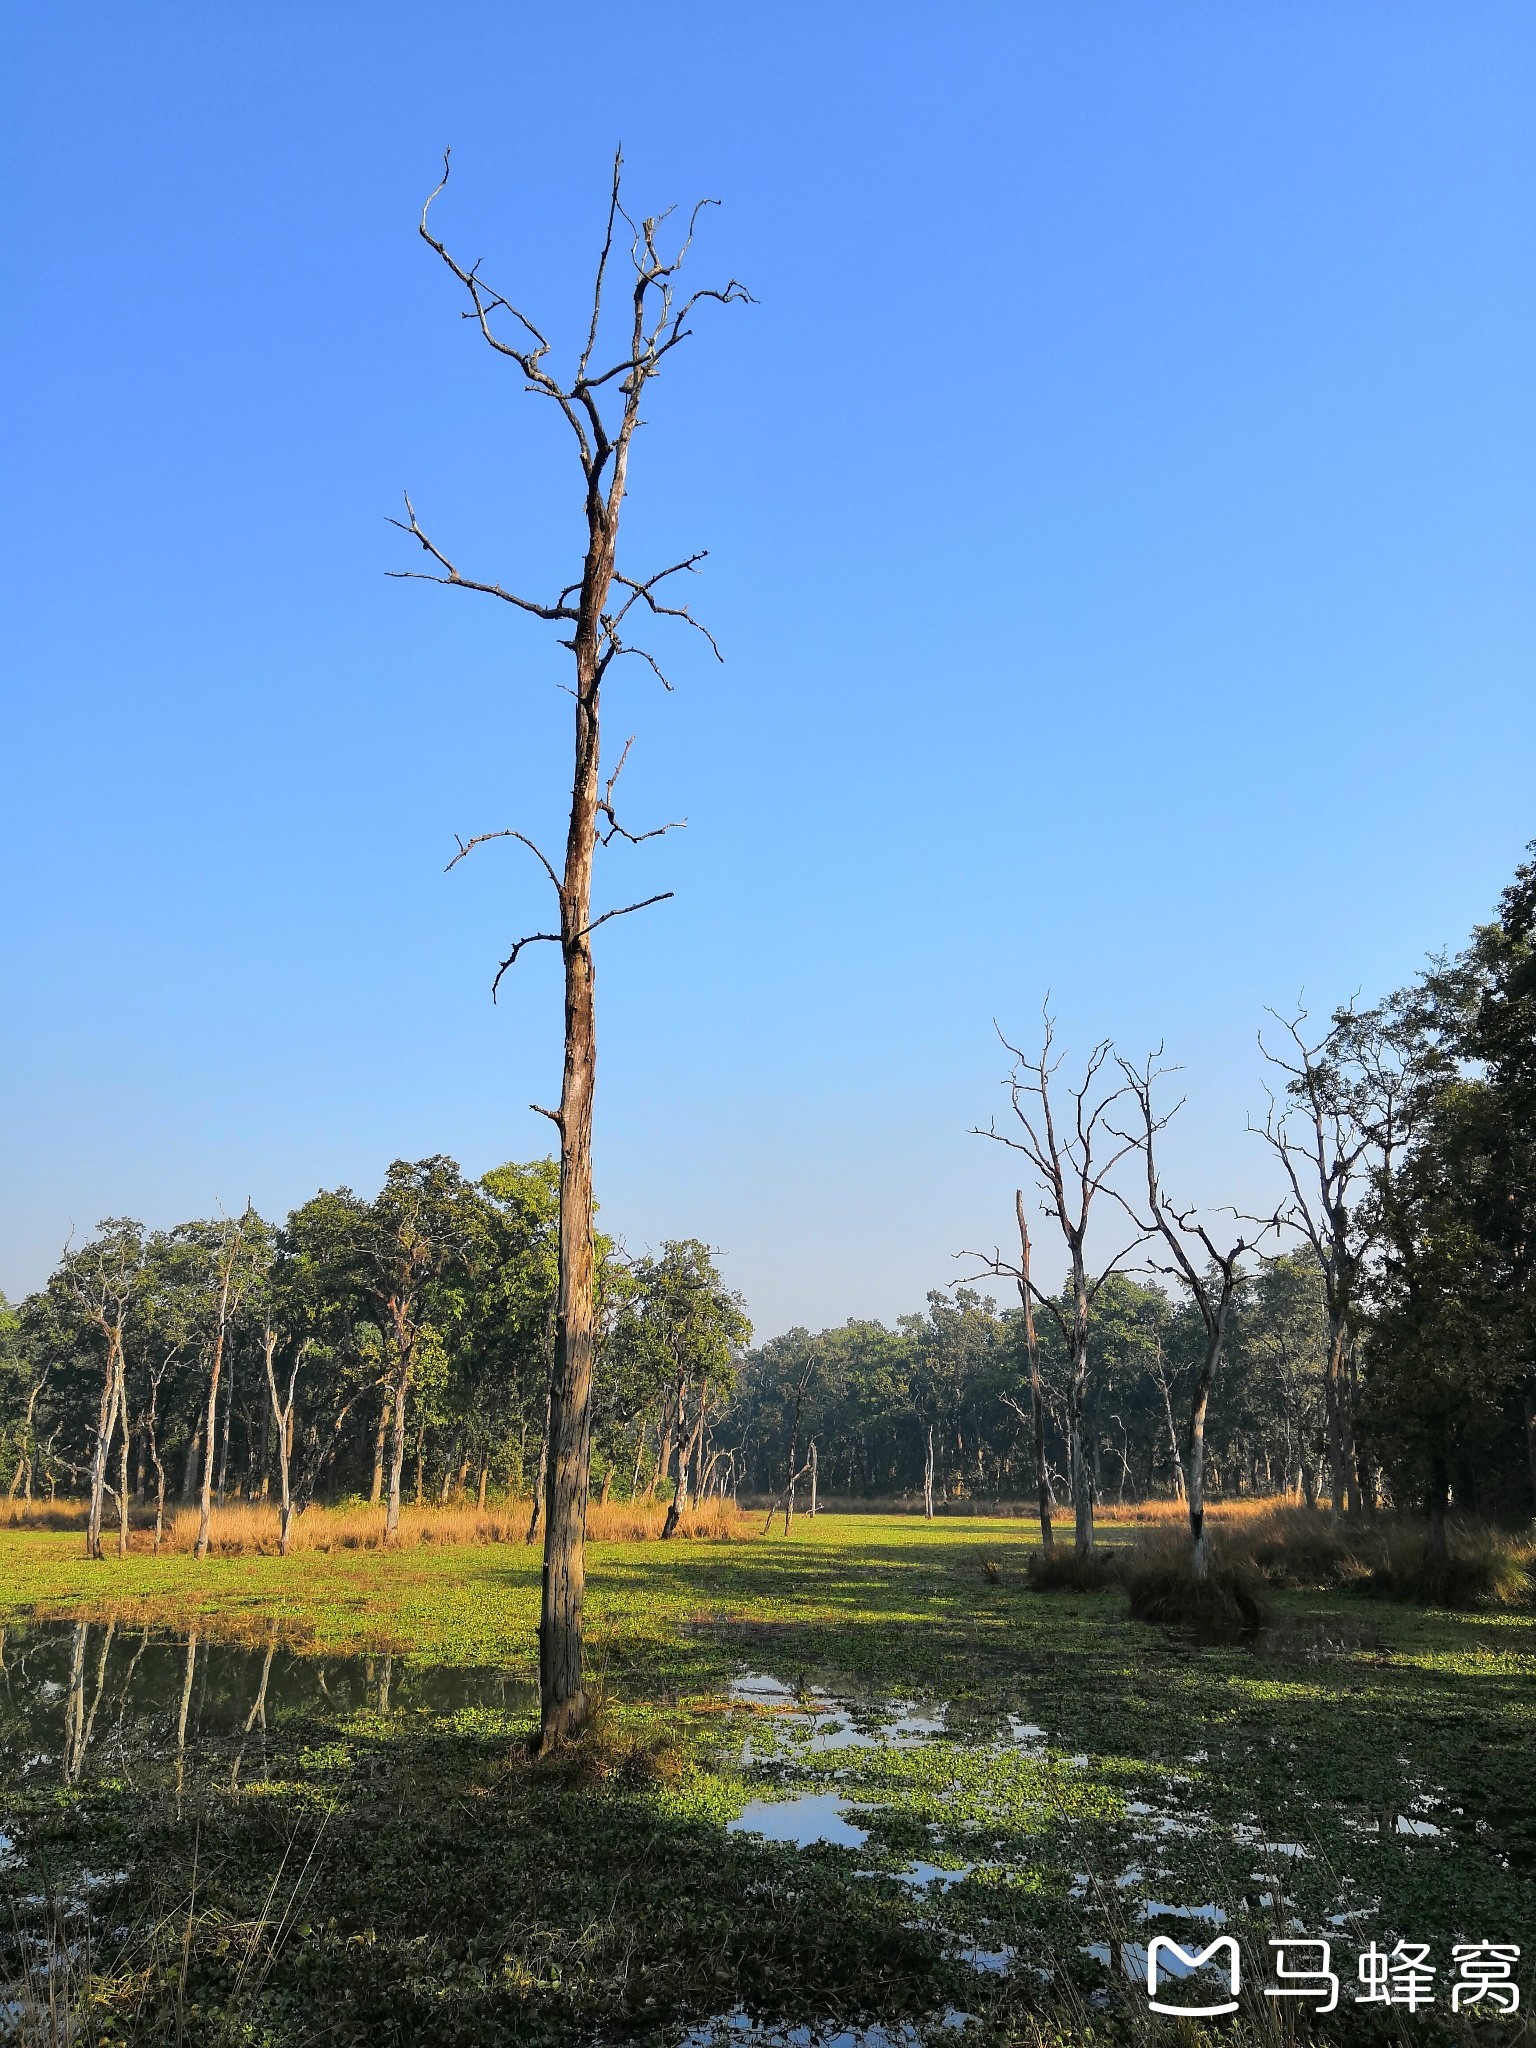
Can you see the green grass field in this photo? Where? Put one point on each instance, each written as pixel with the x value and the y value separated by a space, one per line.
pixel 407 1875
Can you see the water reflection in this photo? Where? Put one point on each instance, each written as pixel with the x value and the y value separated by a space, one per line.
pixel 84 1698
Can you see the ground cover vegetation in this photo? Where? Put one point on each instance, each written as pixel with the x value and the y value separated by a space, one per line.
pixel 310 1813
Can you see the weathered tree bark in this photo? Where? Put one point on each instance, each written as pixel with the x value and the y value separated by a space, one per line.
pixel 675 1505
pixel 1036 1400
pixel 928 1475
pixel 106 1422
pixel 152 1439
pixel 282 1414
pixel 380 1437
pixel 229 1403
pixel 402 1380
pixel 1215 1342
pixel 122 1455
pixel 594 616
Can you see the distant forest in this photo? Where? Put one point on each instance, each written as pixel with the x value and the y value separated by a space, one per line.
pixel 1375 1348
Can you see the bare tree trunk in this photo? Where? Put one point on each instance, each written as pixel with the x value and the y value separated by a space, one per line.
pixel 928 1477
pixel 229 1404
pixel 1160 1374
pixel 227 1300
pixel 813 1478
pixel 485 1476
pixel 589 615
pixel 1201 1552
pixel 397 1440
pixel 1036 1402
pixel 283 1417
pixel 152 1445
pixel 687 1462
pixel 641 1434
pixel 1081 1471
pixel 106 1422
pixel 675 1505
pixel 376 1489
pixel 122 1455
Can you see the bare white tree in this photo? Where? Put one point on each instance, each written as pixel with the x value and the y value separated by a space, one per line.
pixel 1074 1155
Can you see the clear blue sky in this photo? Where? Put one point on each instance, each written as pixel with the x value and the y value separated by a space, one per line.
pixel 1120 514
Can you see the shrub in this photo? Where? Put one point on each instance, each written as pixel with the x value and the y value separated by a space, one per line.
pixel 1066 1571
pixel 1229 1600
pixel 1295 1546
pixel 1483 1567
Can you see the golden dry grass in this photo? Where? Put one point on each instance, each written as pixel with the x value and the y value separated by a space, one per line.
pixel 1236 1513
pixel 251 1528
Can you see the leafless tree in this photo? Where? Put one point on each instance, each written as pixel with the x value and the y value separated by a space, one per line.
pixel 1074 1161
pixel 602 409
pixel 1211 1286
pixel 1337 1135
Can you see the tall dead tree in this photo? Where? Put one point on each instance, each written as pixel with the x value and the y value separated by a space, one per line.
pixel 601 407
pixel 1073 1163
pixel 1212 1287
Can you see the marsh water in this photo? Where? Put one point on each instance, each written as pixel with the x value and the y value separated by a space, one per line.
pixel 963 1816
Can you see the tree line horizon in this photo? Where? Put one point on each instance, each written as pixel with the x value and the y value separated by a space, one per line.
pixel 1368 1343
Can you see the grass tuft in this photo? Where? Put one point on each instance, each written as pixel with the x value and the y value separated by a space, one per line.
pixel 1484 1567
pixel 1230 1600
pixel 1068 1571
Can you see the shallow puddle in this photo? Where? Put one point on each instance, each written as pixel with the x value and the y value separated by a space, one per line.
pixel 811 1817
